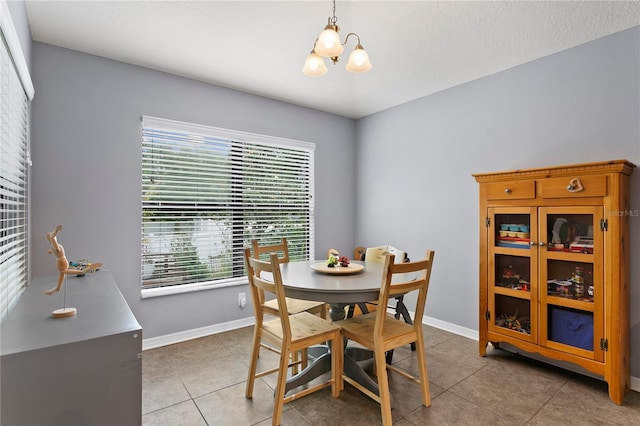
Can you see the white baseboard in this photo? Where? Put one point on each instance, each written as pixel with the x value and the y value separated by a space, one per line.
pixel 452 328
pixel 183 336
pixel 170 339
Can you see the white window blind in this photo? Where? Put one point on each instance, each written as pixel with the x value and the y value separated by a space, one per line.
pixel 207 192
pixel 14 167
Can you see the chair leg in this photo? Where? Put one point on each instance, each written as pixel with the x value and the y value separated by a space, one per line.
pixel 323 312
pixel 389 356
pixel 255 351
pixel 279 393
pixel 305 358
pixel 294 360
pixel 383 387
pixel 363 308
pixel 351 310
pixel 424 374
pixel 337 365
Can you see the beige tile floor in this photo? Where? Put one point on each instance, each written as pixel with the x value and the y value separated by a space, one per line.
pixel 202 382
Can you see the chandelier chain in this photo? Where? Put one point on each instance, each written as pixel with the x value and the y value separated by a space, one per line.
pixel 334 19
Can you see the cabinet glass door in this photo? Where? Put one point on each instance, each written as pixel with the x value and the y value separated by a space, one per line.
pixel 571 316
pixel 512 241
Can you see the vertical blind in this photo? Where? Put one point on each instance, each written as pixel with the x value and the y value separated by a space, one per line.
pixel 14 178
pixel 207 192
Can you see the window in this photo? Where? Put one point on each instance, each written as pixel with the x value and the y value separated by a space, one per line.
pixel 207 192
pixel 15 92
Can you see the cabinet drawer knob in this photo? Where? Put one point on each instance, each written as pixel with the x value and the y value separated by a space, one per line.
pixel 532 243
pixel 575 185
pixel 541 244
pixel 507 191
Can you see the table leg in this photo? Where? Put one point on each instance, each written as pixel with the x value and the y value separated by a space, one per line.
pixel 321 364
pixel 356 361
pixel 322 356
pixel 336 311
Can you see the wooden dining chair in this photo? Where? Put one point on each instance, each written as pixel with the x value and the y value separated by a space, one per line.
pixel 291 333
pixel 373 255
pixel 293 305
pixel 382 332
pixel 378 255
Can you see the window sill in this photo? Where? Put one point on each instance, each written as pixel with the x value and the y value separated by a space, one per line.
pixel 147 293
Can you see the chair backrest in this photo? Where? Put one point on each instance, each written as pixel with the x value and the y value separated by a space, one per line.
pixel 378 254
pixel 332 252
pixel 388 289
pixel 259 285
pixel 281 248
pixel 264 252
pixel 399 254
pixel 359 253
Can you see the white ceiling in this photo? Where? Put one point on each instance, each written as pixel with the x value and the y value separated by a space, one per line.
pixel 416 47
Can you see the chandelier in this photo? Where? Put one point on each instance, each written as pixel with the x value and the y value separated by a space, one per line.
pixel 328 45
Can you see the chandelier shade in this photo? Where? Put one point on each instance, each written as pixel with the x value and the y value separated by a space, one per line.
pixel 314 66
pixel 328 45
pixel 358 60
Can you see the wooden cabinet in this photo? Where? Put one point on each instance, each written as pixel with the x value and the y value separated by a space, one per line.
pixel 554 265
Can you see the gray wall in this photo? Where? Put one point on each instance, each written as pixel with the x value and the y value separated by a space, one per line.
pixel 86 144
pixel 579 105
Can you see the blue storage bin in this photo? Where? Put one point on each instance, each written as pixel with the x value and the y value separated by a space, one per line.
pixel 571 327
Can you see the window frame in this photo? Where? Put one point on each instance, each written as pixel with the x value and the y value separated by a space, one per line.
pixel 237 138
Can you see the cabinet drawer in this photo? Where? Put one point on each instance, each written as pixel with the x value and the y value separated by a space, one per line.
pixel 577 186
pixel 510 190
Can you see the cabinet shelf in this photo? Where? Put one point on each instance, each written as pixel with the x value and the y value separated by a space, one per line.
pixel 581 305
pixel 520 294
pixel 513 251
pixel 570 257
pixel 515 333
pixel 549 301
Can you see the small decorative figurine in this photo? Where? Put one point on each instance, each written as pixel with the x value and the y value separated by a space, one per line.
pixel 62 263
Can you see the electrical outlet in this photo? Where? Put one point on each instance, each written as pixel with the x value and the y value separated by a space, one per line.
pixel 242 299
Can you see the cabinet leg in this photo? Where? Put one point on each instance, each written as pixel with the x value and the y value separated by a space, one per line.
pixel 482 348
pixel 616 393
